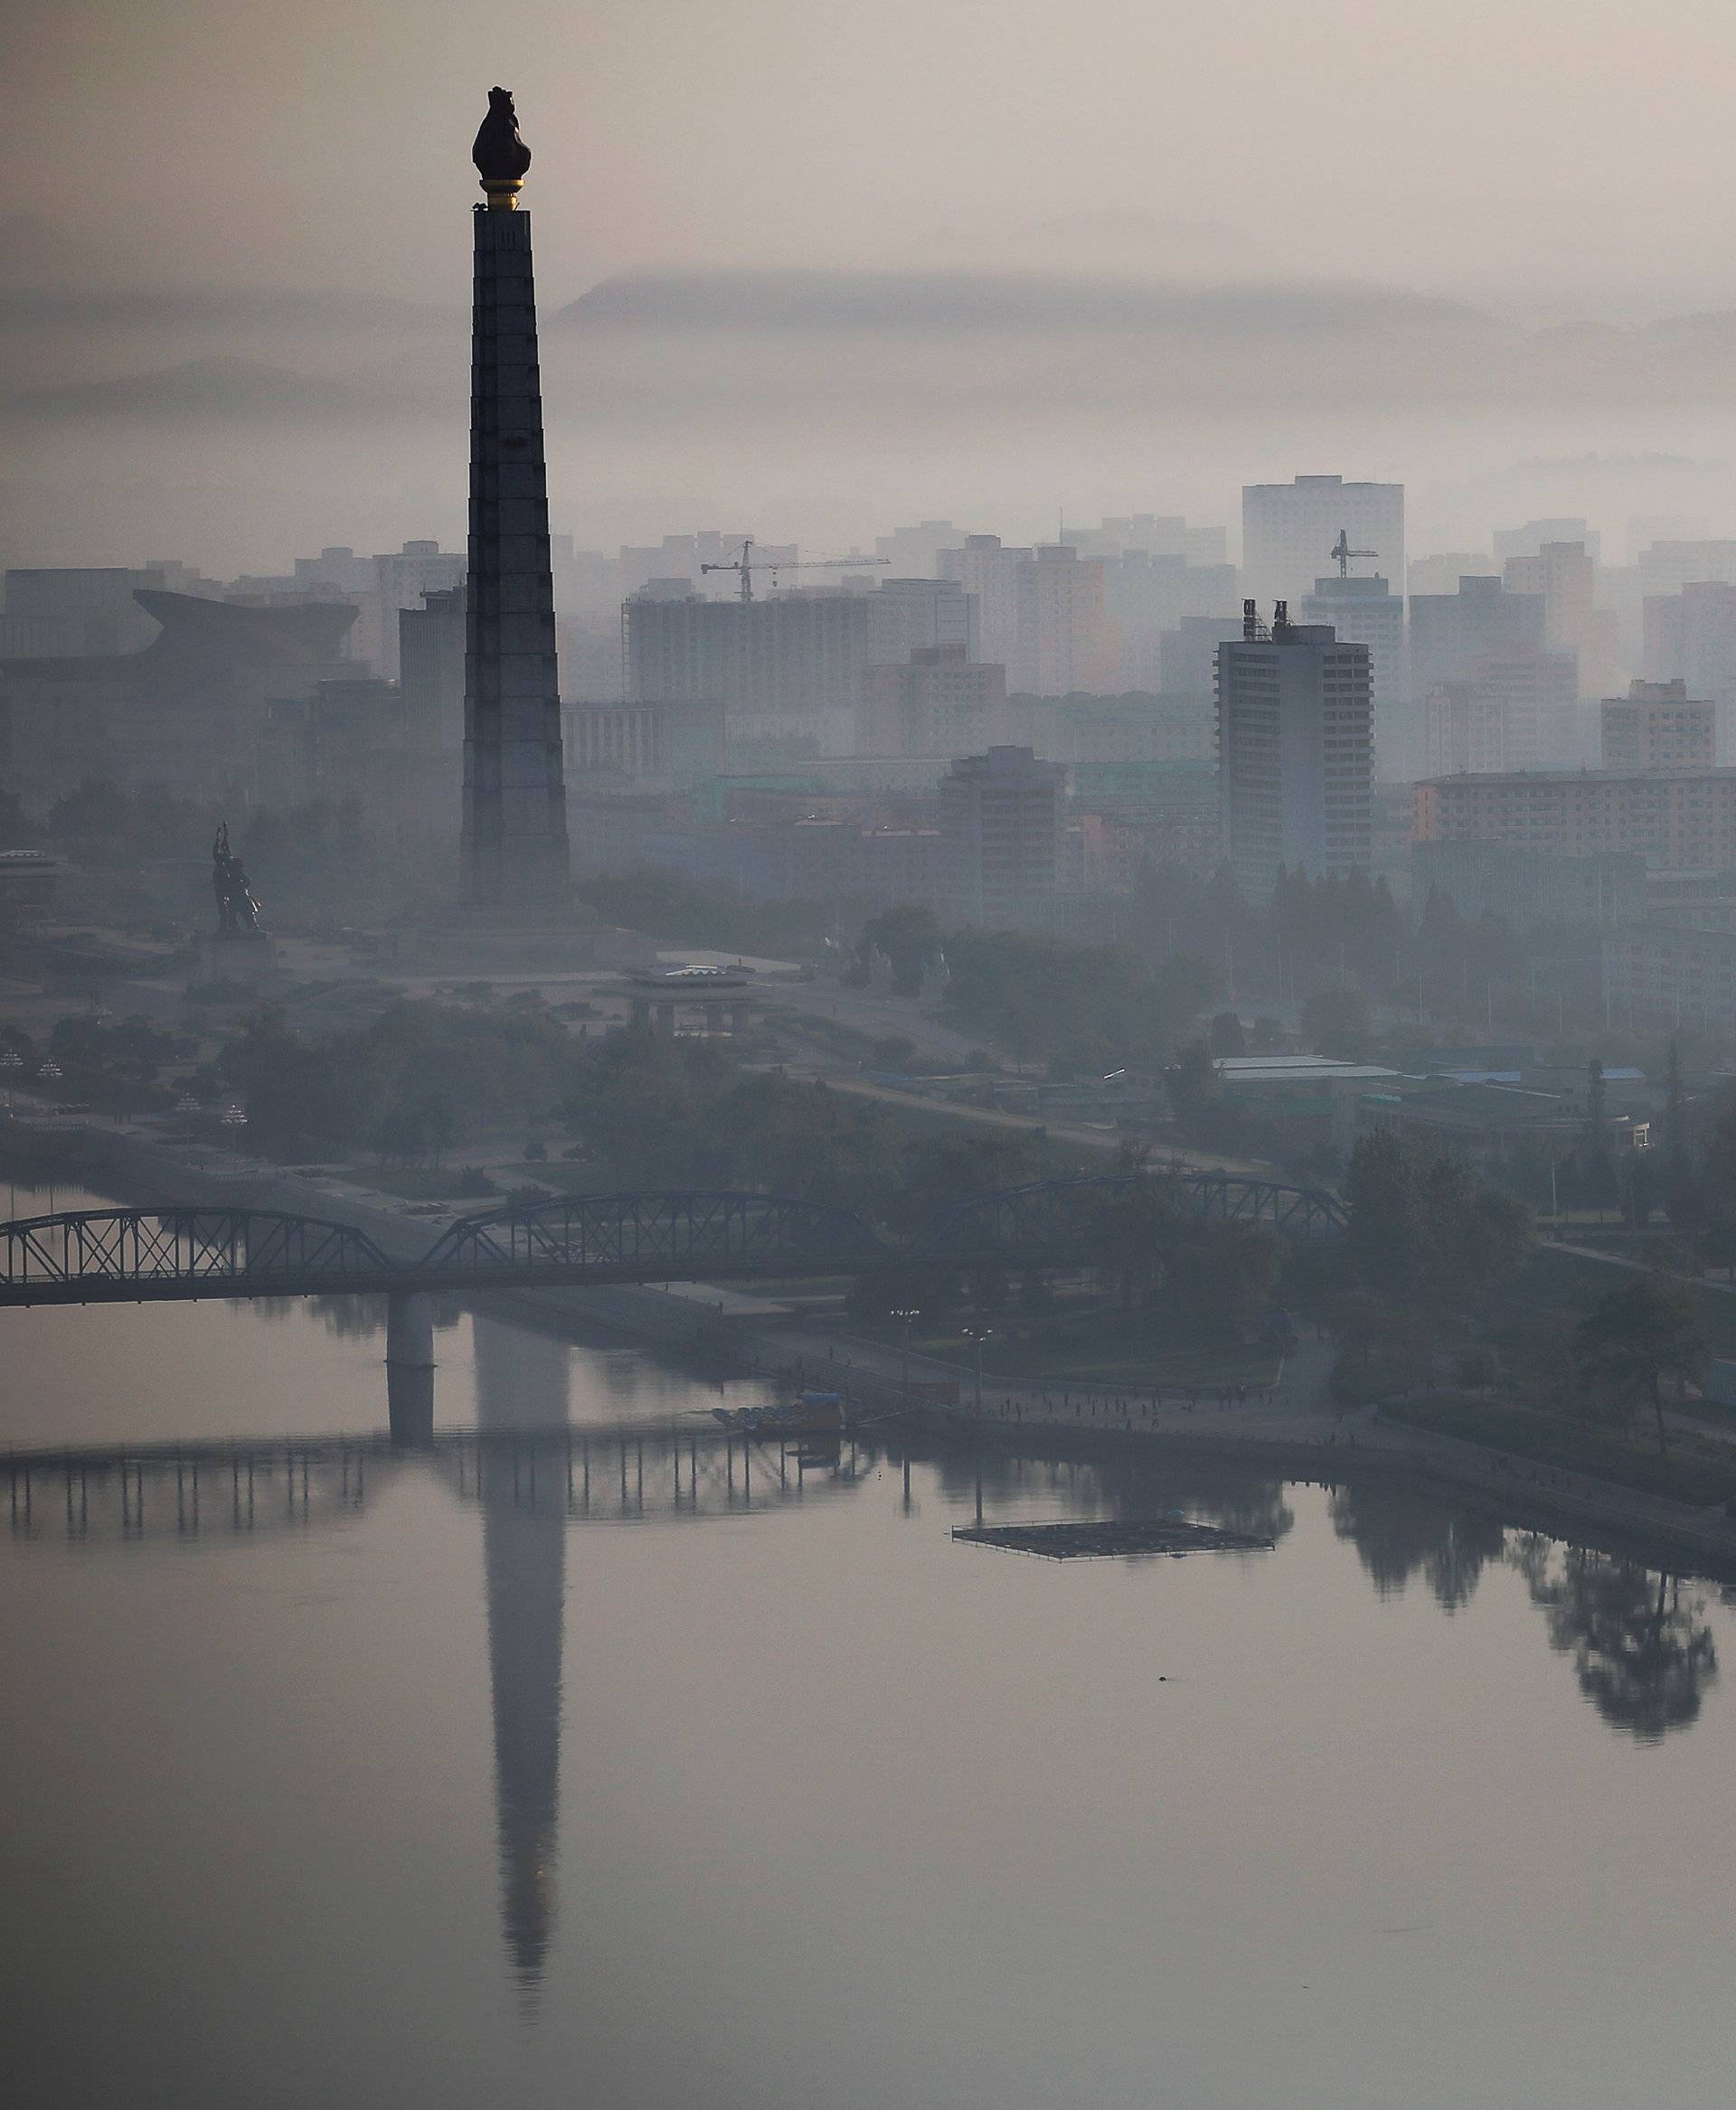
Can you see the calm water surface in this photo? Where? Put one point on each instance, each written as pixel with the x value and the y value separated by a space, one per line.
pixel 428 1801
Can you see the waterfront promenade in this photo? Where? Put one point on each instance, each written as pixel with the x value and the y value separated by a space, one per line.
pixel 1294 1427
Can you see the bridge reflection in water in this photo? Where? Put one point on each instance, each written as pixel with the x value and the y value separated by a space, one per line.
pixel 534 1475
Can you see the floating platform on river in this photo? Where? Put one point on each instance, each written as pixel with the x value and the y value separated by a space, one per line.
pixel 1172 1536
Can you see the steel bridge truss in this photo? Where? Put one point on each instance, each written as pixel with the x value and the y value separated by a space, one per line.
pixel 649 1237
pixel 140 1255
pixel 1062 1221
pixel 148 1253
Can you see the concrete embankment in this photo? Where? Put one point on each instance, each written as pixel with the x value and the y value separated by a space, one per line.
pixel 1290 1446
pixel 1597 1514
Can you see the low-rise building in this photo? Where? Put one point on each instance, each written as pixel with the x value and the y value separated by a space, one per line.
pixel 1671 973
pixel 1315 1096
pixel 1658 725
pixel 1674 819
pixel 658 745
pixel 1491 1123
pixel 1529 887
pixel 29 882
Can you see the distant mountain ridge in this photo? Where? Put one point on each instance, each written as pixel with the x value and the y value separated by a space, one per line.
pixel 963 301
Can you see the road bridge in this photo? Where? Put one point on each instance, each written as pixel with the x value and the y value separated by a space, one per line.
pixel 185 1254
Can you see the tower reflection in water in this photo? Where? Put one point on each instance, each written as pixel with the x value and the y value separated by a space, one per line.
pixel 522 1384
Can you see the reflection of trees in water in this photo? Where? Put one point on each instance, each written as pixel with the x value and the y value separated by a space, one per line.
pixel 1121 1488
pixel 1398 1534
pixel 346 1318
pixel 1643 1654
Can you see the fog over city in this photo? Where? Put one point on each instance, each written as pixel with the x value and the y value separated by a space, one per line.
pixel 827 264
pixel 867 1054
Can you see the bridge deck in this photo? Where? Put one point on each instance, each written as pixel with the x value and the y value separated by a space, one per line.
pixel 183 1254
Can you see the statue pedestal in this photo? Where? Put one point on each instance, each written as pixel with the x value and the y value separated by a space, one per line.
pixel 247 960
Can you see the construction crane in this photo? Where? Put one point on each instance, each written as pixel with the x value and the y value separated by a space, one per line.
pixel 745 565
pixel 1341 552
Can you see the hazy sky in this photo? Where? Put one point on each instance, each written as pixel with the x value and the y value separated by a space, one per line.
pixel 1542 162
pixel 1519 144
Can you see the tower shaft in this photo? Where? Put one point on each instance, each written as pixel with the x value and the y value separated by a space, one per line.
pixel 515 847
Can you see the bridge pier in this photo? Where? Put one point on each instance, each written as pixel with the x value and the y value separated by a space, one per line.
pixel 410 1367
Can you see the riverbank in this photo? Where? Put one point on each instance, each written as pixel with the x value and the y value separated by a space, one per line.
pixel 1291 1430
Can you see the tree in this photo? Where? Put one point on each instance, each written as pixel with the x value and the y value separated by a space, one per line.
pixel 909 937
pixel 1192 1084
pixel 1598 1180
pixel 1335 1022
pixel 1135 1228
pixel 1679 1188
pixel 16 830
pixel 1384 1347
pixel 1424 1226
pixel 1226 1035
pixel 1636 1337
pixel 1380 1188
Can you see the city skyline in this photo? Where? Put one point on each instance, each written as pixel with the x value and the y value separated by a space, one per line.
pixel 1035 274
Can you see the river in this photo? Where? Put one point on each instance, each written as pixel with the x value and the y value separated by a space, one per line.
pixel 402 1797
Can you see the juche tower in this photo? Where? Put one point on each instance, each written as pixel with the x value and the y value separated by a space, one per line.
pixel 515 849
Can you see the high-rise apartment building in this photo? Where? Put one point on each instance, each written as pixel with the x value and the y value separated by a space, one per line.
pixel 1530 540
pixel 431 662
pixel 1518 709
pixel 794 664
pixel 1564 574
pixel 912 615
pixel 1288 531
pixel 939 702
pixel 1294 753
pixel 1658 725
pixel 914 550
pixel 1149 594
pixel 1001 833
pixel 1453 633
pixel 1667 566
pixel 1691 636
pixel 988 569
pixel 1366 611
pixel 1064 637
pixel 1152 534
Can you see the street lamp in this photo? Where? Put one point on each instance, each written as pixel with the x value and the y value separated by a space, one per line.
pixel 906 1314
pixel 979 1334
